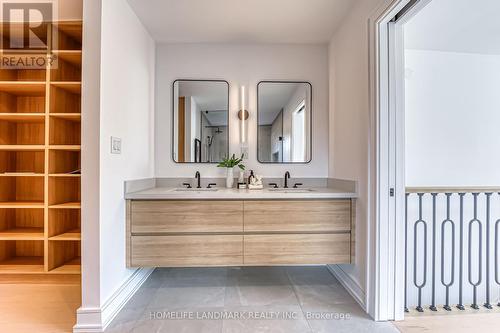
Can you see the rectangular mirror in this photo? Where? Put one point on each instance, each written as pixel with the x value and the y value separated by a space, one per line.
pixel 284 116
pixel 200 121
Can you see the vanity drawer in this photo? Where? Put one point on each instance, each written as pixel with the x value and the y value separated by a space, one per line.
pixel 298 216
pixel 289 249
pixel 186 216
pixel 186 250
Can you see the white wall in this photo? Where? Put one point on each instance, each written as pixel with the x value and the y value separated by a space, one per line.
pixel 90 246
pixel 350 125
pixel 127 86
pixel 241 65
pixel 452 116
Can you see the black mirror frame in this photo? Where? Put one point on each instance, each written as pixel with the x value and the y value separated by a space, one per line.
pixel 311 122
pixel 173 118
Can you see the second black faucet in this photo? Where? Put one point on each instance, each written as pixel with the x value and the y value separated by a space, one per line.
pixel 198 179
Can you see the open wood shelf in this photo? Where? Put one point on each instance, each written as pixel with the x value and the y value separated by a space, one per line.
pixel 73 57
pixel 64 190
pixel 64 162
pixel 69 35
pixel 66 71
pixel 20 189
pixel 63 254
pixel 64 224
pixel 67 236
pixel 67 205
pixel 65 98
pixel 21 224
pixel 22 265
pixel 23 88
pixel 40 181
pixel 22 147
pixel 22 131
pixel 22 161
pixel 67 116
pixel 13 102
pixel 22 234
pixel 30 75
pixel 64 131
pixel 64 147
pixel 28 255
pixel 72 266
pixel 23 117
pixel 22 204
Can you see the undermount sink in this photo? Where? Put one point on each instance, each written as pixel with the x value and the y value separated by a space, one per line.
pixel 291 190
pixel 185 189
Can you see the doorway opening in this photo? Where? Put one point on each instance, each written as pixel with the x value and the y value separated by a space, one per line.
pixel 436 183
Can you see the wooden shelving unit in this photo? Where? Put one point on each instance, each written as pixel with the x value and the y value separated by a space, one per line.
pixel 40 130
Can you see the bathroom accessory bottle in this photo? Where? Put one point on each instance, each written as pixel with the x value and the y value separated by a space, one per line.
pixel 252 176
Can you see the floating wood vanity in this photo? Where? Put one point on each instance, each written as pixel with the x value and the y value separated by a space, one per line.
pixel 252 232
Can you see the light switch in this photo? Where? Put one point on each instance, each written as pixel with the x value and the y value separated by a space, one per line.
pixel 116 145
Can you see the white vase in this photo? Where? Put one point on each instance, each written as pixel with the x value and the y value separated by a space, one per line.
pixel 229 178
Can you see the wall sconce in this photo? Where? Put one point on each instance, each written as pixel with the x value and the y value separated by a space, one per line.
pixel 243 116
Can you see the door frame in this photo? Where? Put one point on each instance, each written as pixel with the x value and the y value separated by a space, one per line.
pixel 386 264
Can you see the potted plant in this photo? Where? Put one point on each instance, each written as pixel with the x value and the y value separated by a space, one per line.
pixel 229 163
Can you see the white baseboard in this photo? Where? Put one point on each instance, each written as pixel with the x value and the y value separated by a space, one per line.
pixel 349 284
pixel 95 320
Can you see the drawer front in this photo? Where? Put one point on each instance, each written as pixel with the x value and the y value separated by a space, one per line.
pixel 186 216
pixel 299 249
pixel 298 216
pixel 185 251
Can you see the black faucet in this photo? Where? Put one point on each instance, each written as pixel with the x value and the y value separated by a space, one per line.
pixel 198 178
pixel 287 176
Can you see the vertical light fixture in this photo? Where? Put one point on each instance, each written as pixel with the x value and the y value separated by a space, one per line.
pixel 243 116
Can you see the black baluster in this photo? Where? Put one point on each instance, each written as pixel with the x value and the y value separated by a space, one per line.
pixel 421 285
pixel 480 256
pixel 487 304
pixel 452 268
pixel 433 282
pixel 460 304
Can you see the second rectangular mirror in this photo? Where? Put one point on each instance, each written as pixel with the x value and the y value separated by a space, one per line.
pixel 284 115
pixel 200 122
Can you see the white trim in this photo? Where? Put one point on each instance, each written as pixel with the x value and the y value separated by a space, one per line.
pixel 95 320
pixel 349 284
pixel 386 164
pixel 383 272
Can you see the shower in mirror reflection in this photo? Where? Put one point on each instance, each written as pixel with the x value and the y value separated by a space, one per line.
pixel 200 121
pixel 284 122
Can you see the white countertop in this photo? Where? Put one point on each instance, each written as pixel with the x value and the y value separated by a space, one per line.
pixel 166 193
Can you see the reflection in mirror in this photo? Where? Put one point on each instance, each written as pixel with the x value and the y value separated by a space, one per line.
pixel 284 122
pixel 200 124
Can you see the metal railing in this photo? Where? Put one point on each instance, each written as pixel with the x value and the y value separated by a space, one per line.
pixel 433 248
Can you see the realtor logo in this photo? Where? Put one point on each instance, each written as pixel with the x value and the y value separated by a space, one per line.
pixel 28 35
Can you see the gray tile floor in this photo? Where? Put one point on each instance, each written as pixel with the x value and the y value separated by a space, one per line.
pixel 250 299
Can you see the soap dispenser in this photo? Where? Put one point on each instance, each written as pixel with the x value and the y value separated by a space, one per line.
pixel 252 176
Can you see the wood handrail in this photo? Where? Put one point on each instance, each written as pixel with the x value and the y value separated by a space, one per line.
pixel 453 189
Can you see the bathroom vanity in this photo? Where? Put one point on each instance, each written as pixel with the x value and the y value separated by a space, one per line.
pixel 174 227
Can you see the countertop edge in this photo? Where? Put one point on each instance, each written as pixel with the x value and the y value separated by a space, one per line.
pixel 235 194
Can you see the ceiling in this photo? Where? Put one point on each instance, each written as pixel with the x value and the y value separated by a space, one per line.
pixel 468 26
pixel 241 21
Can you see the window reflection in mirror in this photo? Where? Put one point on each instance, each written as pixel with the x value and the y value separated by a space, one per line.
pixel 284 122
pixel 200 121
